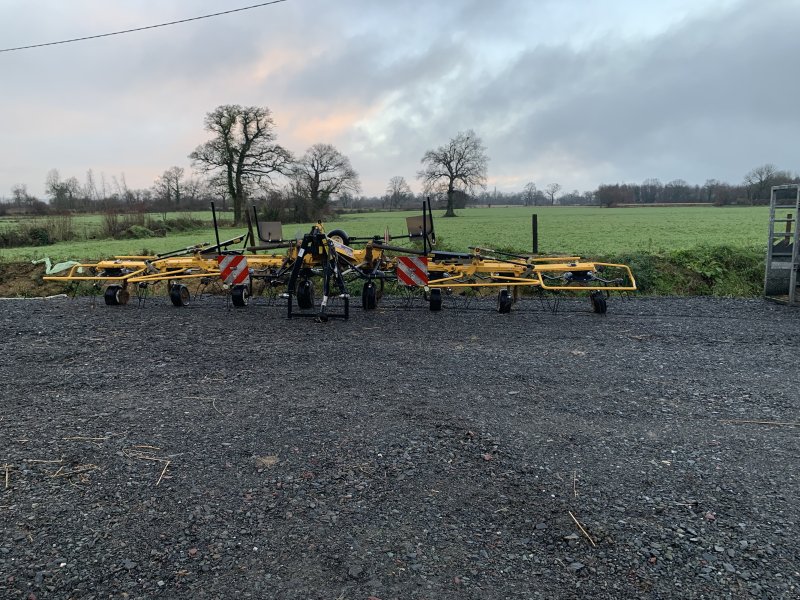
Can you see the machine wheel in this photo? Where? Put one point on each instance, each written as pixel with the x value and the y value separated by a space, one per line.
pixel 240 296
pixel 123 296
pixel 436 299
pixel 504 302
pixel 340 235
pixel 598 302
pixel 116 295
pixel 305 294
pixel 369 296
pixel 179 294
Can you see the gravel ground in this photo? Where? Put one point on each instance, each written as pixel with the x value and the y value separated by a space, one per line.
pixel 212 453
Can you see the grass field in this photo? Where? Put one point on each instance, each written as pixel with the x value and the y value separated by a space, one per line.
pixel 588 231
pixel 584 230
pixel 90 226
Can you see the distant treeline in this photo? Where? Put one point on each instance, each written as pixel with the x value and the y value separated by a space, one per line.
pixel 174 192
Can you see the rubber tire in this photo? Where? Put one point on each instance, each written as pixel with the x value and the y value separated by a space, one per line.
pixel 305 294
pixel 504 302
pixel 436 300
pixel 240 296
pixel 179 295
pixel 111 295
pixel 369 296
pixel 599 304
pixel 340 235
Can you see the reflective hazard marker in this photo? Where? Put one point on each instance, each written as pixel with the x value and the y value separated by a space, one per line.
pixel 233 269
pixel 412 270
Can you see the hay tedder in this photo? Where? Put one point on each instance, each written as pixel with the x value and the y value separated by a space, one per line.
pixel 276 267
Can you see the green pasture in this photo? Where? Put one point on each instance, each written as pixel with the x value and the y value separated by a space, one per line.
pixel 96 249
pixel 588 231
pixel 91 224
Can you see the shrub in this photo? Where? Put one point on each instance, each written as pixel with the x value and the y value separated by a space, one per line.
pixel 110 227
pixel 702 270
pixel 39 236
pixel 60 228
pixel 137 231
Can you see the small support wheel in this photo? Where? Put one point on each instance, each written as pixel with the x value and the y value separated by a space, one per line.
pixel 123 296
pixel 369 296
pixel 436 299
pixel 598 301
pixel 504 302
pixel 179 295
pixel 340 236
pixel 116 295
pixel 305 294
pixel 240 296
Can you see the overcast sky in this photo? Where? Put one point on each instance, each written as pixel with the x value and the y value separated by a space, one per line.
pixel 578 92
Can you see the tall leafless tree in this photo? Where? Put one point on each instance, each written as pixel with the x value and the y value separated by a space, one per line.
pixel 90 188
pixel 123 192
pixel 759 180
pixel 459 165
pixel 170 185
pixel 397 192
pixel 551 190
pixel 63 192
pixel 710 188
pixel 242 149
pixel 194 188
pixel 529 193
pixel 321 173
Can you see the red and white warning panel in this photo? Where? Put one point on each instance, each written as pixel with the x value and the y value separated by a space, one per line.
pixel 233 268
pixel 412 270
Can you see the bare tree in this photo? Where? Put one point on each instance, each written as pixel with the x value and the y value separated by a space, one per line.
pixel 551 190
pixel 169 185
pixel 397 192
pixel 323 172
pixel 759 180
pixel 529 193
pixel 55 188
pixel 679 190
pixel 103 188
pixel 122 190
pixel 63 193
pixel 90 189
pixel 651 191
pixel 19 193
pixel 709 189
pixel 217 187
pixel 73 187
pixel 459 165
pixel 194 189
pixel 242 150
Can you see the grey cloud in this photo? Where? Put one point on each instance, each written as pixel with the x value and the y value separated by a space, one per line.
pixel 674 106
pixel 712 95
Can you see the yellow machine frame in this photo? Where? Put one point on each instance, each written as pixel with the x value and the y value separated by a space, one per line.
pixel 480 268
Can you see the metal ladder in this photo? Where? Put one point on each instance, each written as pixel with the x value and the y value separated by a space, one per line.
pixel 783 249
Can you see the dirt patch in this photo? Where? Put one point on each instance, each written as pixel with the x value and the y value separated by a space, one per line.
pixel 24 280
pixel 207 452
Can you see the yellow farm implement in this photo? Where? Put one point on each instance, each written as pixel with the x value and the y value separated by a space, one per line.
pixel 336 260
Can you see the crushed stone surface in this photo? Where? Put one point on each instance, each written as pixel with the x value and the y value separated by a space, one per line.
pixel 209 452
